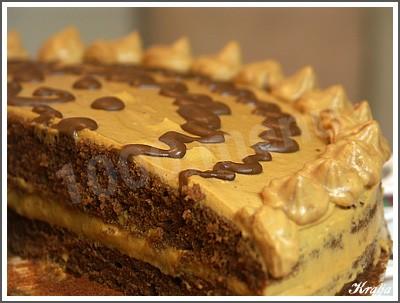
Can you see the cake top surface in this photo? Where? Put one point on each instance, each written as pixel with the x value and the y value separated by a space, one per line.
pixel 269 152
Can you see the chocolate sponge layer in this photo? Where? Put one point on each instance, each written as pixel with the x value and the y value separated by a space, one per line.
pixel 87 259
pixel 82 257
pixel 79 174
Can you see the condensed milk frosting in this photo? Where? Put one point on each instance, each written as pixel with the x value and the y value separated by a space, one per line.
pixel 274 162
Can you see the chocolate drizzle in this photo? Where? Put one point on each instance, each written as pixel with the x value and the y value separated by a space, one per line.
pixel 13 89
pixel 132 75
pixel 70 126
pixel 42 95
pixel 27 71
pixel 87 82
pixel 108 104
pixel 218 174
pixel 46 114
pixel 200 111
pixel 277 138
pixel 250 165
pixel 200 121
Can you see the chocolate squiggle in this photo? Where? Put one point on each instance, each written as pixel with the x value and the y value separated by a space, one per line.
pixel 27 71
pixel 277 138
pixel 200 121
pixel 42 95
pixel 46 114
pixel 200 111
pixel 108 104
pixel 70 126
pixel 13 89
pixel 87 82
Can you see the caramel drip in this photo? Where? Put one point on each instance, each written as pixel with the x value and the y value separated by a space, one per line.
pixel 70 126
pixel 46 114
pixel 108 104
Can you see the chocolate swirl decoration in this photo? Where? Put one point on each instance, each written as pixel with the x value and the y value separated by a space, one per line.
pixel 200 111
pixel 225 175
pixel 108 104
pixel 277 138
pixel 42 95
pixel 200 121
pixel 70 126
pixel 87 82
pixel 27 71
pixel 132 75
pixel 13 89
pixel 46 113
pixel 251 164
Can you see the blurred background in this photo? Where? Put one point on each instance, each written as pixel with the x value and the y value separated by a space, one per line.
pixel 350 46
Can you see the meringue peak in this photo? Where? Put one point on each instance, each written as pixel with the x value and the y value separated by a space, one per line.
pixel 265 74
pixel 223 66
pixel 176 56
pixel 333 98
pixel 65 47
pixel 127 49
pixel 15 50
pixel 295 86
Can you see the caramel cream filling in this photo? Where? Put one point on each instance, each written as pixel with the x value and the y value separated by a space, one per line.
pixel 300 282
pixel 167 260
pixel 148 114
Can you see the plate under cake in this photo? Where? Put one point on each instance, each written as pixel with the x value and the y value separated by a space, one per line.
pixel 153 172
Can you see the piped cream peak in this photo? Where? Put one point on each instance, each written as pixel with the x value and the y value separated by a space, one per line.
pixel 176 56
pixel 222 66
pixel 264 74
pixel 295 86
pixel 333 98
pixel 127 49
pixel 64 47
pixel 182 45
pixel 15 49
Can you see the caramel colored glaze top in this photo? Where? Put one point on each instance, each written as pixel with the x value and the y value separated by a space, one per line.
pixel 273 163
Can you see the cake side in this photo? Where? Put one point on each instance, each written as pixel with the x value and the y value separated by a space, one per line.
pixel 83 257
pixel 159 216
pixel 366 231
pixel 44 138
pixel 107 270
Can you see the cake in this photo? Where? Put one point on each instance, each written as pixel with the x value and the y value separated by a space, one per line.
pixel 153 172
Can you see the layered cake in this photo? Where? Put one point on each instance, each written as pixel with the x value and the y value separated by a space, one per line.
pixel 157 173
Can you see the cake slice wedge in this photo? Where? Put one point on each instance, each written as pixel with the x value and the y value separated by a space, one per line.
pixel 157 181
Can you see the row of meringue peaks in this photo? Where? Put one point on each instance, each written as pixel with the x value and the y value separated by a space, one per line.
pixel 67 47
pixel 340 175
pixel 15 49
